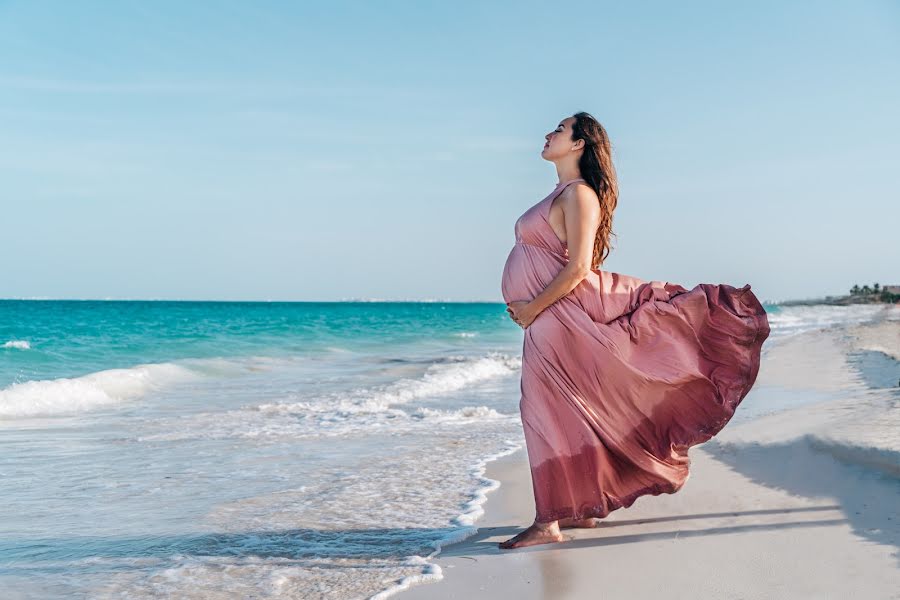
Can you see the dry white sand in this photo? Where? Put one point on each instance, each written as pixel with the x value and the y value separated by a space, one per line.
pixel 765 513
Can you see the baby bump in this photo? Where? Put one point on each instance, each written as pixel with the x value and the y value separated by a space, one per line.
pixel 528 270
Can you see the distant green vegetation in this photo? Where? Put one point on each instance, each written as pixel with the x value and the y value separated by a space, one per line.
pixel 890 293
pixel 875 294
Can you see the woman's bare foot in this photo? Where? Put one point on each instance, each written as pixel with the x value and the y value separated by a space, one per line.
pixel 538 533
pixel 580 524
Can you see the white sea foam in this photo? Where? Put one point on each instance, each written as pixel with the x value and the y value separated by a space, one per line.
pixel 364 529
pixel 791 320
pixel 343 520
pixel 462 415
pixel 71 395
pixel 359 411
pixel 439 378
pixel 20 344
pixel 472 511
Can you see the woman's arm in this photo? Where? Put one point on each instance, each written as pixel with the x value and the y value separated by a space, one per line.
pixel 581 211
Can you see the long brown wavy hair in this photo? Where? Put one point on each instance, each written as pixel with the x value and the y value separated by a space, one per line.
pixel 597 169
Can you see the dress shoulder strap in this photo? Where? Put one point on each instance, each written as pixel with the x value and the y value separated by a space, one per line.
pixel 565 183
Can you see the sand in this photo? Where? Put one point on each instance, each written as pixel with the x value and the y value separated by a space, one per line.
pixel 770 510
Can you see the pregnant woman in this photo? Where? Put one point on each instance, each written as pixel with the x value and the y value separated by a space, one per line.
pixel 620 376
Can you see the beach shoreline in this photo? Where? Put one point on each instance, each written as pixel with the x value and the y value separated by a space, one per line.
pixel 789 504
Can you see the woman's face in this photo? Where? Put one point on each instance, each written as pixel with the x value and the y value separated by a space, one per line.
pixel 559 141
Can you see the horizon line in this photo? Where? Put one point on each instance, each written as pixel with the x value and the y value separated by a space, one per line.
pixel 341 301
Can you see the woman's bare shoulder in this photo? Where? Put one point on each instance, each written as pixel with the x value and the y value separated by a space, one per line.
pixel 579 194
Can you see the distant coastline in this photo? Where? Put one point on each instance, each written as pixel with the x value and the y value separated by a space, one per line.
pixel 876 294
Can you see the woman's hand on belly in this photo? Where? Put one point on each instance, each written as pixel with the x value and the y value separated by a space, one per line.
pixel 522 312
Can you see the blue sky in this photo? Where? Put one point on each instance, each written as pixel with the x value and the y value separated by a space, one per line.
pixel 328 151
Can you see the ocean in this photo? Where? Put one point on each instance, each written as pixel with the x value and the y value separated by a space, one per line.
pixel 257 449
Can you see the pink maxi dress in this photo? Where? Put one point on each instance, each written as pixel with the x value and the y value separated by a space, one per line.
pixel 622 376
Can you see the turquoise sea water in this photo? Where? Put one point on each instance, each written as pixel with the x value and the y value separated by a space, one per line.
pixel 71 338
pixel 191 449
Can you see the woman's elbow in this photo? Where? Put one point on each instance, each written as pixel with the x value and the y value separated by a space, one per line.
pixel 580 270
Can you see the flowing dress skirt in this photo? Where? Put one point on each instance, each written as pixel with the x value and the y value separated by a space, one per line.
pixel 622 376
